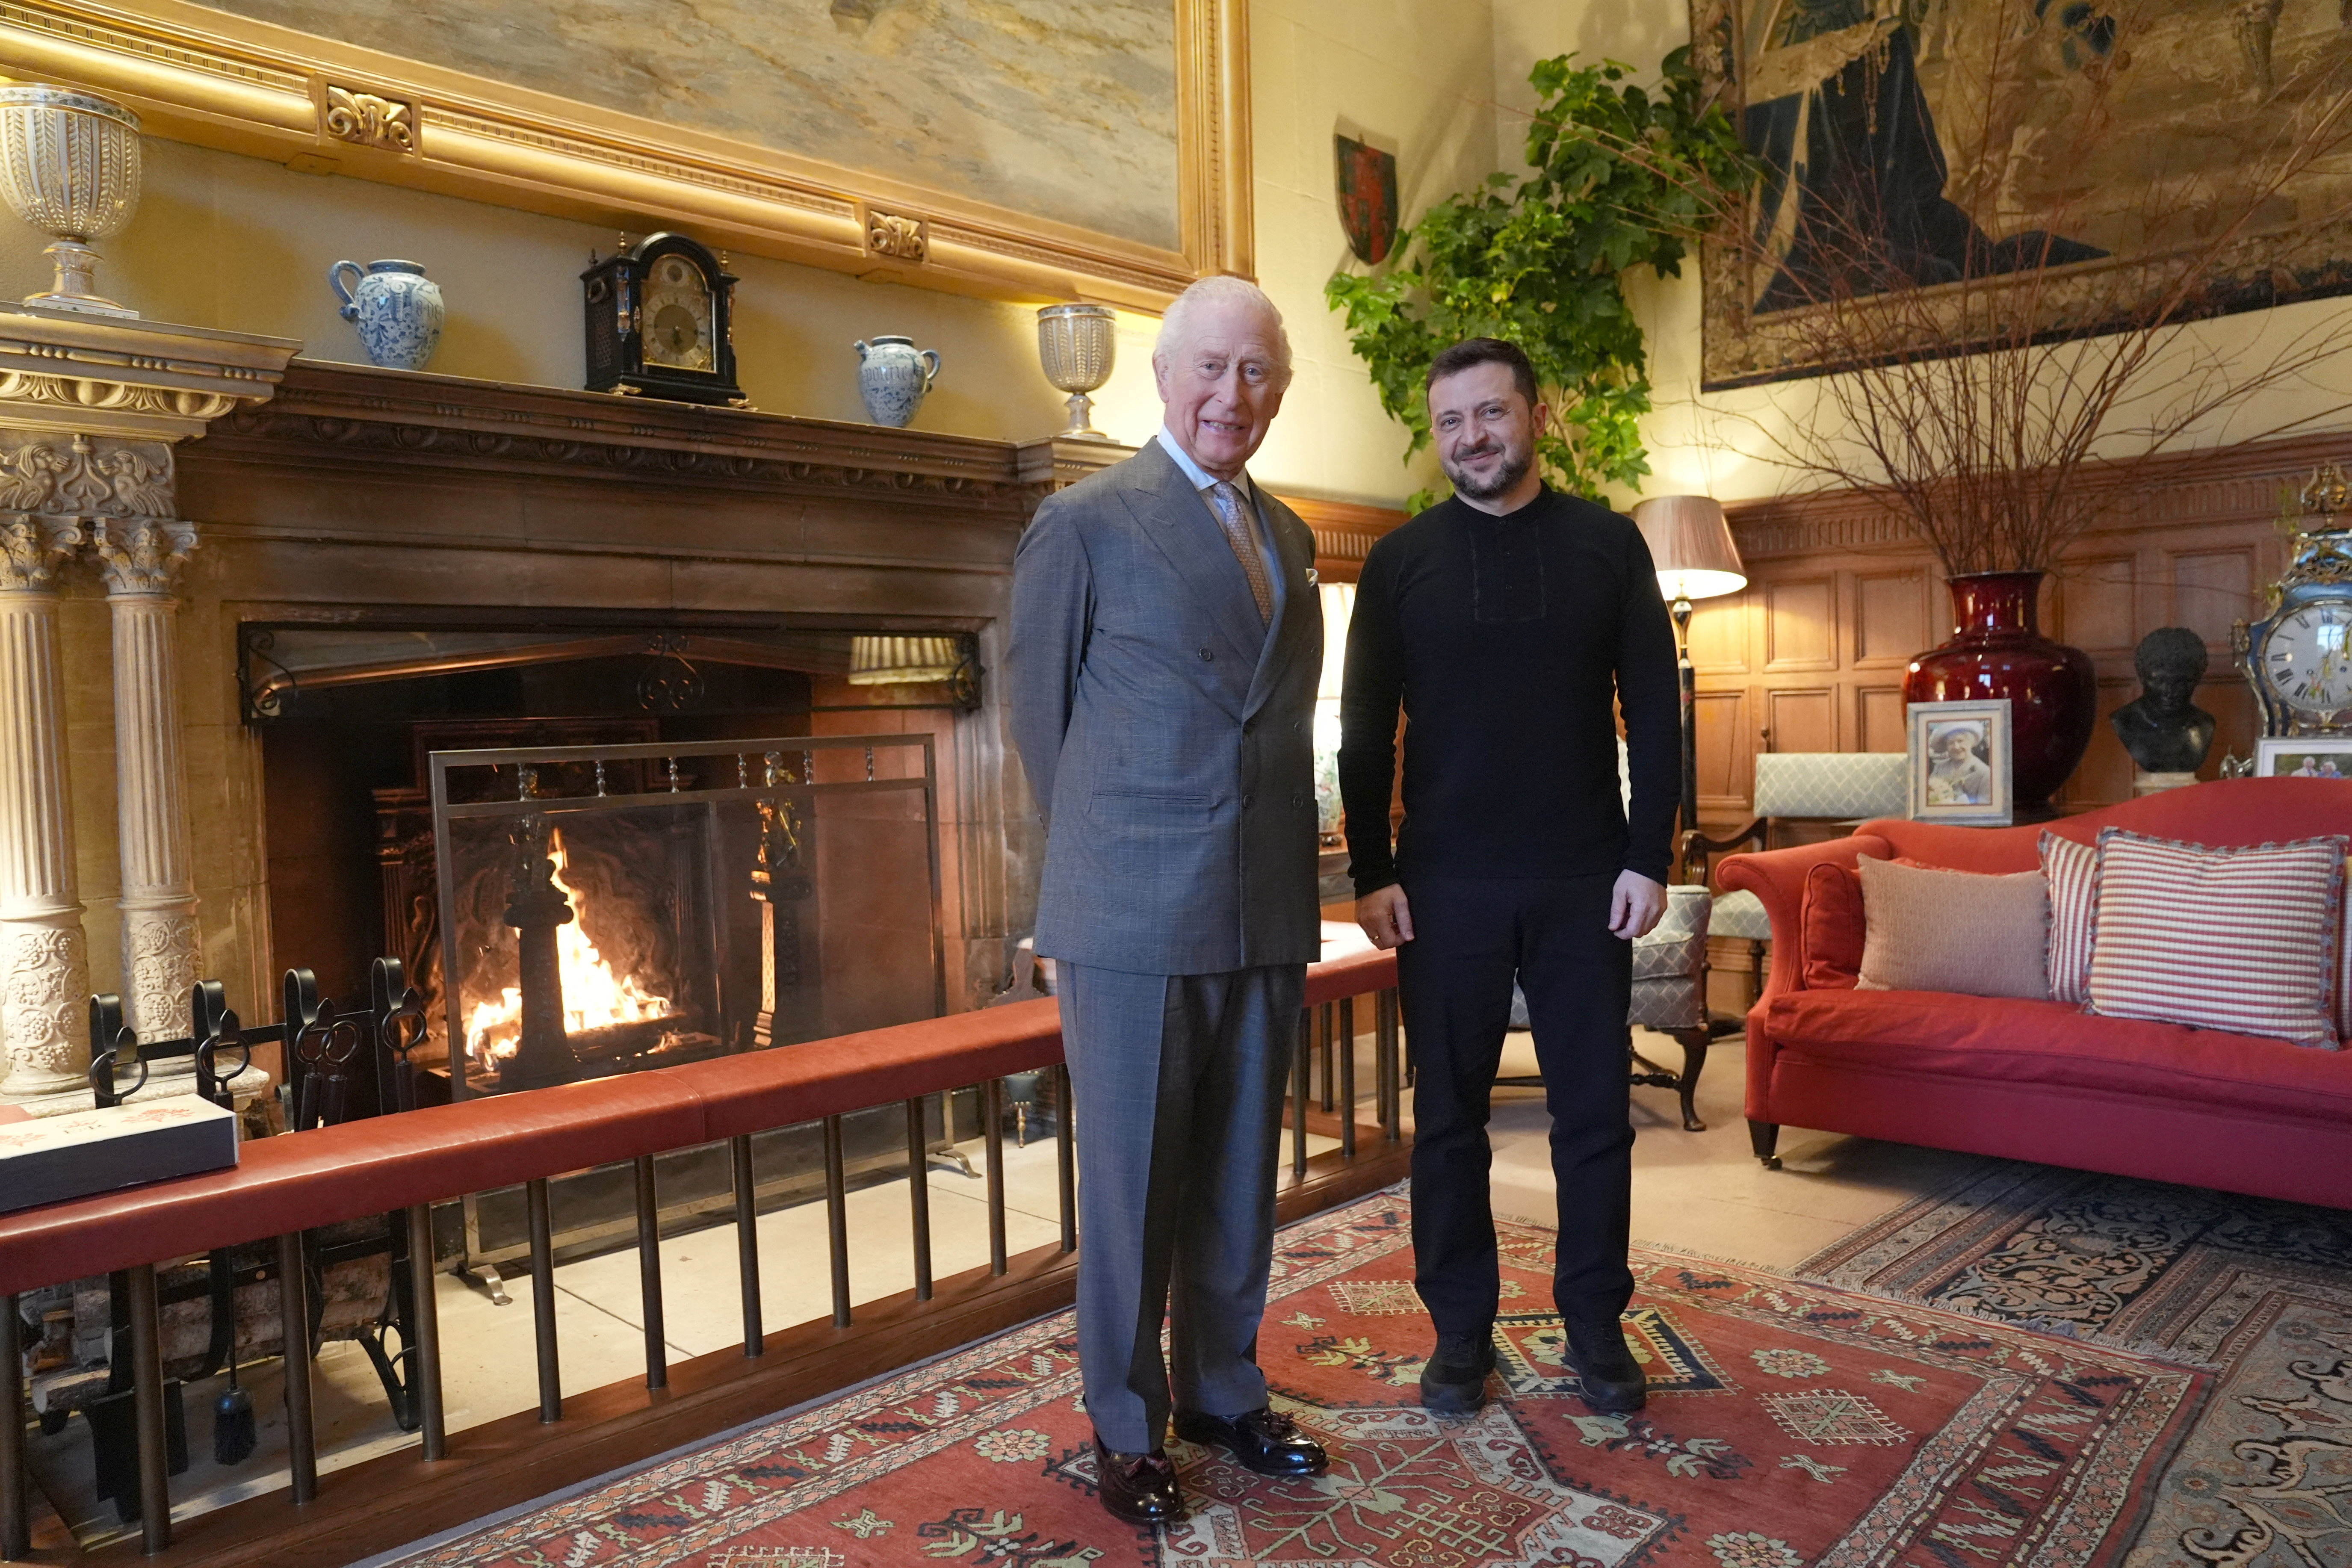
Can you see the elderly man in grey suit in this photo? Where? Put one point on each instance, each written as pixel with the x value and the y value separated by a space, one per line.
pixel 1167 639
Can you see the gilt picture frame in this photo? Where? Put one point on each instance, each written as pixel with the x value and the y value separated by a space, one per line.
pixel 1961 766
pixel 226 78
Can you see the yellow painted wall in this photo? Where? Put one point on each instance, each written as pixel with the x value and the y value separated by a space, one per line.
pixel 226 241
pixel 1412 76
pixel 221 240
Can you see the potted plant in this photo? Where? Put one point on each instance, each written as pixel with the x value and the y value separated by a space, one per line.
pixel 1622 177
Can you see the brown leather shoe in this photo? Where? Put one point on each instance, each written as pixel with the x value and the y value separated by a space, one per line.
pixel 1265 1441
pixel 1137 1488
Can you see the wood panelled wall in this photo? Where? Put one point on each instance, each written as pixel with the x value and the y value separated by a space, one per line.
pixel 1811 657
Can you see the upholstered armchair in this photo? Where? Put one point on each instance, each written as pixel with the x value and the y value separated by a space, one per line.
pixel 1841 787
pixel 1669 996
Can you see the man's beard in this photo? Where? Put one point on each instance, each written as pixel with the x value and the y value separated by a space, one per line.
pixel 1514 468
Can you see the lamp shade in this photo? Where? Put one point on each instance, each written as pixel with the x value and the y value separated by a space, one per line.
pixel 902 661
pixel 1690 544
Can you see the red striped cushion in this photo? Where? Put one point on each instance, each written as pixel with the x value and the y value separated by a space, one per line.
pixel 2241 940
pixel 2071 870
pixel 2344 969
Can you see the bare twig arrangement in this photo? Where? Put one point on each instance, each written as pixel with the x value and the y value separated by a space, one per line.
pixel 2002 405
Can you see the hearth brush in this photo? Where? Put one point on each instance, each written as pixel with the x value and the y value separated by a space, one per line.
pixel 234 1436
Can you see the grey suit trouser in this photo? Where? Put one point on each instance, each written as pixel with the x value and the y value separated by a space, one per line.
pixel 1179 1082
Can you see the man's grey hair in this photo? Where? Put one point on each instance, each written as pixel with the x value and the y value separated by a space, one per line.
pixel 1212 291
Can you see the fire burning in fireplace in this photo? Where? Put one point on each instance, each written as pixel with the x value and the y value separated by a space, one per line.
pixel 594 996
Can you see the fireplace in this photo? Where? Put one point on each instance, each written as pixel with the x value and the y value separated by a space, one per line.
pixel 526 558
pixel 619 906
pixel 634 739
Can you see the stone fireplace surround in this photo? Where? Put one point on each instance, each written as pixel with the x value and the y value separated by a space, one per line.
pixel 132 851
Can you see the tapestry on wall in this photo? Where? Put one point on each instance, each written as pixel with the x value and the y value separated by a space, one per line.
pixel 2080 148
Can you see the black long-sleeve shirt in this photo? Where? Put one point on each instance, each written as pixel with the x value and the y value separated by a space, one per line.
pixel 1511 642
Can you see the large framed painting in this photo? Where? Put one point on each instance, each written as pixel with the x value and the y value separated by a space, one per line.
pixel 2088 151
pixel 1055 150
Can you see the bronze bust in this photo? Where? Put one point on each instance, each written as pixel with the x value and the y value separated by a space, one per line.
pixel 2162 728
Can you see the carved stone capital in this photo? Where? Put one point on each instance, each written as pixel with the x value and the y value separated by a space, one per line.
pixel 32 548
pixel 141 555
pixel 83 476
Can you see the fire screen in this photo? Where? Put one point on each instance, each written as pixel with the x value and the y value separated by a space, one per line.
pixel 608 908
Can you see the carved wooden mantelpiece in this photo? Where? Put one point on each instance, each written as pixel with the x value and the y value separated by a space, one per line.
pixel 382 498
pixel 348 415
pixel 1344 532
pixel 354 422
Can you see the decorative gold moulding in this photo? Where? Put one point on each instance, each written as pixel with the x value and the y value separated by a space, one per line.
pixel 219 81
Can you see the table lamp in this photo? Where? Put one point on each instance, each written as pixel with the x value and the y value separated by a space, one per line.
pixel 1691 545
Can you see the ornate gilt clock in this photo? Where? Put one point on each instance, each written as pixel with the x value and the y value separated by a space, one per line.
pixel 661 323
pixel 2298 658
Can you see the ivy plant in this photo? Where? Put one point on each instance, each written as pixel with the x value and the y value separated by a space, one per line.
pixel 1623 176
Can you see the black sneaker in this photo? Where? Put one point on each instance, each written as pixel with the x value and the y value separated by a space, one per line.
pixel 1454 1382
pixel 1611 1379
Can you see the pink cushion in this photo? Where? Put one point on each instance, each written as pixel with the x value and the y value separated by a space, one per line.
pixel 2073 871
pixel 1963 932
pixel 2013 1041
pixel 2242 940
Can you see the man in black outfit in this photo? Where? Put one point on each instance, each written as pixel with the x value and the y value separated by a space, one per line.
pixel 1511 623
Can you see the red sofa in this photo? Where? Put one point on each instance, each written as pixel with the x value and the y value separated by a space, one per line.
pixel 2043 1080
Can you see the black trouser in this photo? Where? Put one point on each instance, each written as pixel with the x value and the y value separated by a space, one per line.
pixel 1471 939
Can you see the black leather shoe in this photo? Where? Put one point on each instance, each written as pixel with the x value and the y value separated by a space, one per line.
pixel 1612 1378
pixel 1265 1441
pixel 1454 1382
pixel 1137 1488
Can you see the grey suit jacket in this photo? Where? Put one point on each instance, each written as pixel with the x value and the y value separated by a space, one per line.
pixel 1168 734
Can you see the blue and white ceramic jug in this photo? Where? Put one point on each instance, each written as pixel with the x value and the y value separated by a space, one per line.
pixel 396 307
pixel 892 377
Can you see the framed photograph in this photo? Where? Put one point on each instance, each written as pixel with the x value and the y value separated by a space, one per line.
pixel 1960 762
pixel 2303 757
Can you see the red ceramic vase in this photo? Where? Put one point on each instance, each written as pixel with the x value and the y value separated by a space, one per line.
pixel 1997 650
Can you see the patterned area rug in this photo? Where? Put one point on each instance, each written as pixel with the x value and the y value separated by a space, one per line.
pixel 2255 1291
pixel 1788 1424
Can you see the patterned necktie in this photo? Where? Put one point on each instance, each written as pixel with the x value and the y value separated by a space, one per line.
pixel 1226 502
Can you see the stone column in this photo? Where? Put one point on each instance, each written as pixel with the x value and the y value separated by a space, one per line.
pixel 44 963
pixel 140 557
pixel 90 409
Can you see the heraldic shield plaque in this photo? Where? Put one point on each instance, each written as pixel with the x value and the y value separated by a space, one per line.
pixel 1368 199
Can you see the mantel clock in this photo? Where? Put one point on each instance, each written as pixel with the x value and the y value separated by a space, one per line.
pixel 2298 658
pixel 661 323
